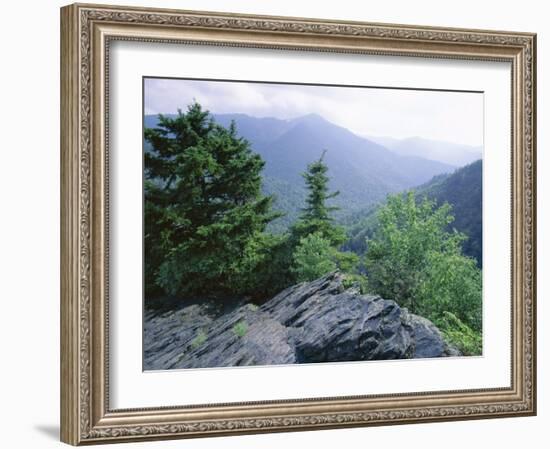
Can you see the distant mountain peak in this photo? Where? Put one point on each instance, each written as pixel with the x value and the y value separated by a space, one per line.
pixel 311 118
pixel 451 153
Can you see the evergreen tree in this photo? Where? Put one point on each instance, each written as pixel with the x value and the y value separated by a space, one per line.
pixel 315 239
pixel 205 214
pixel 316 216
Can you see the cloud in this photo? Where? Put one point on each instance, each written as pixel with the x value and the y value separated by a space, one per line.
pixel 438 115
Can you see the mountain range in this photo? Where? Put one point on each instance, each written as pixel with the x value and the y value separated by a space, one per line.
pixel 447 152
pixel 362 170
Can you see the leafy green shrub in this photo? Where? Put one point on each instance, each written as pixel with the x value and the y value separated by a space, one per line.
pixel 268 271
pixel 199 339
pixel 358 281
pixel 313 258
pixel 468 341
pixel 451 284
pixel 346 261
pixel 240 329
pixel 414 259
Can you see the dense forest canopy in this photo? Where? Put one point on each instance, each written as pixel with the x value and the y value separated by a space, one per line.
pixel 208 216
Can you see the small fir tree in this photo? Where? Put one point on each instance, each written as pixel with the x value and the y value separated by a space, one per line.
pixel 316 216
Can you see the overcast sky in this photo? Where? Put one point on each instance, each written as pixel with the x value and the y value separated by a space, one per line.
pixel 450 116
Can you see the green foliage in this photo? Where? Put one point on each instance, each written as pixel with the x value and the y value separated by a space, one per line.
pixel 407 232
pixel 309 250
pixel 346 261
pixel 252 307
pixel 451 284
pixel 272 273
pixel 199 339
pixel 205 214
pixel 240 329
pixel 313 258
pixel 357 281
pixel 316 216
pixel 416 261
pixel 468 341
pixel 314 238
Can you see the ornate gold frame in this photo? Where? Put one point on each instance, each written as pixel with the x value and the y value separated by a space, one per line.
pixel 86 31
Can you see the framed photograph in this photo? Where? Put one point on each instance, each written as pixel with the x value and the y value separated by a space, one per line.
pixel 280 224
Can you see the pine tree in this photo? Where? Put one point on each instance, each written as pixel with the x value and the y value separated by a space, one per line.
pixel 205 214
pixel 316 216
pixel 315 238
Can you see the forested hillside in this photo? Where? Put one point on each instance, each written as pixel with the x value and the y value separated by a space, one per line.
pixel 461 189
pixel 464 191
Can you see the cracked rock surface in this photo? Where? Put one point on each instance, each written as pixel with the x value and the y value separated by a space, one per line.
pixel 318 321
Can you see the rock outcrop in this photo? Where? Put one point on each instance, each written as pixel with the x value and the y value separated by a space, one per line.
pixel 311 322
